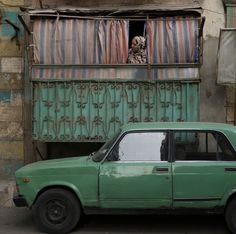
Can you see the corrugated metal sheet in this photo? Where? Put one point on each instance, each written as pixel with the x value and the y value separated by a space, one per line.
pixel 112 3
pixel 92 111
pixel 118 9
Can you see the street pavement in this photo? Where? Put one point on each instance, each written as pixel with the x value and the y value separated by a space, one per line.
pixel 20 221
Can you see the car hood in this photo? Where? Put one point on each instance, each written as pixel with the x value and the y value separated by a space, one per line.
pixel 52 166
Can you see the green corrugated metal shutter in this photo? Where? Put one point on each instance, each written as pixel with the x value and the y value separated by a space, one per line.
pixel 89 111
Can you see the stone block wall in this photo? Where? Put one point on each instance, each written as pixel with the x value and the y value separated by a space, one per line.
pixel 11 88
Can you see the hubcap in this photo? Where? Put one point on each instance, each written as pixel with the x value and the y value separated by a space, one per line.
pixel 56 211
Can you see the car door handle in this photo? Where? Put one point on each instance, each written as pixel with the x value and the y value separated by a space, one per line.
pixel 160 169
pixel 230 169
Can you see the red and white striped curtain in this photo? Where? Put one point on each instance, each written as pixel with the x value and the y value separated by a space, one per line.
pixel 75 41
pixel 170 40
pixel 173 40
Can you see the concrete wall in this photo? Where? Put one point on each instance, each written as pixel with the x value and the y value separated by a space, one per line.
pixel 212 97
pixel 230 104
pixel 11 89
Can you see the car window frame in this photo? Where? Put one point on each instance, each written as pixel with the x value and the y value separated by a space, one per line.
pixel 205 131
pixel 140 131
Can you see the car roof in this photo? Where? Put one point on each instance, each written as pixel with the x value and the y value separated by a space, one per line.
pixel 179 125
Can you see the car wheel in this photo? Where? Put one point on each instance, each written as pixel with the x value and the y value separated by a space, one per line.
pixel 57 211
pixel 230 216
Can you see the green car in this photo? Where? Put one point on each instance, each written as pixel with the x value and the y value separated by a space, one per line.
pixel 146 168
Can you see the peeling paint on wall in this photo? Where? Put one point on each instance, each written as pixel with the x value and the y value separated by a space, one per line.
pixel 12 3
pixel 8 167
pixel 5 96
pixel 11 81
pixel 11 65
pixel 9 48
pixel 11 113
pixel 7 30
pixel 11 85
pixel 11 30
pixel 11 131
pixel 12 97
pixel 11 150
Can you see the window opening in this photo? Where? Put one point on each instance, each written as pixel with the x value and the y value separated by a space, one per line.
pixel 136 28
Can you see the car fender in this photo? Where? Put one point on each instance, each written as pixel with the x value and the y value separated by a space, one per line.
pixel 51 184
pixel 227 195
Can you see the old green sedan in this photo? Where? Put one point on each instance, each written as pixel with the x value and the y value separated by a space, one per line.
pixel 151 168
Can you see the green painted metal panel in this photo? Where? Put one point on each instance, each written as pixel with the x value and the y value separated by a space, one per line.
pixel 192 180
pixel 92 111
pixel 140 186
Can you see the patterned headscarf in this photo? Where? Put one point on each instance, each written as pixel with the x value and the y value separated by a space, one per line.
pixel 137 53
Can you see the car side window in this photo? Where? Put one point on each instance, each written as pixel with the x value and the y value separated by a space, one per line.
pixel 226 151
pixel 202 146
pixel 142 146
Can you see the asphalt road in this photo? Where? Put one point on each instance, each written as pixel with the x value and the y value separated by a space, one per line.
pixel 20 221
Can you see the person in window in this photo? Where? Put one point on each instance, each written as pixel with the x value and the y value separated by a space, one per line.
pixel 137 52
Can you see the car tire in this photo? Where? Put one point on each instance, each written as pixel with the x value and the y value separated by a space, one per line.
pixel 230 216
pixel 57 211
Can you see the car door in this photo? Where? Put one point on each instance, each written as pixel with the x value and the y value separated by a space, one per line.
pixel 137 173
pixel 201 168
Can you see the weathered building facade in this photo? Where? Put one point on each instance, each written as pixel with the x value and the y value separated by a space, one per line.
pixel 15 106
pixel 11 87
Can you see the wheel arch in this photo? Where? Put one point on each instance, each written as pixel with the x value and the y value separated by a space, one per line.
pixel 230 198
pixel 61 186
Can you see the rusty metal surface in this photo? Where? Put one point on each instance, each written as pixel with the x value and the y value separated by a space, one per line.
pixel 68 4
pixel 129 9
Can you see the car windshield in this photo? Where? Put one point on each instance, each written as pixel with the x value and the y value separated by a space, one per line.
pixel 99 155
